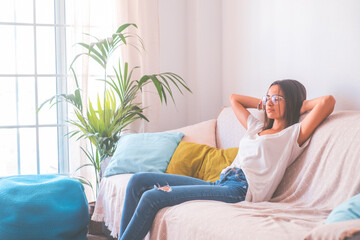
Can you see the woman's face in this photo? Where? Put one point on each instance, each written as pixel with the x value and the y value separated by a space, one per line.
pixel 275 104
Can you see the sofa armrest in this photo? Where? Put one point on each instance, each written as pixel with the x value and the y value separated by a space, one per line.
pixel 103 165
pixel 340 230
pixel 110 201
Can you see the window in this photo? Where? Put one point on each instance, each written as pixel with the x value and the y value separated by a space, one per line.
pixel 37 46
pixel 32 69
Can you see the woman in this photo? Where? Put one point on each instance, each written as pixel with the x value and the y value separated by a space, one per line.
pixel 265 152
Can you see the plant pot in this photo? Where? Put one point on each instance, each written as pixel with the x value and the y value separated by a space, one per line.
pixel 95 228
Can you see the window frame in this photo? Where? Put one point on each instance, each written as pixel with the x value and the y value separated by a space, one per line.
pixel 60 27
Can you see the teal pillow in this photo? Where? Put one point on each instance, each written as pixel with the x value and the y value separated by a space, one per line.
pixel 143 152
pixel 347 210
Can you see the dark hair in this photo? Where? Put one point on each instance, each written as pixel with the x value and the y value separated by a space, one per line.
pixel 294 94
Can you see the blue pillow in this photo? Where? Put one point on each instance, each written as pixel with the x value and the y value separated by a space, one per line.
pixel 143 152
pixel 347 210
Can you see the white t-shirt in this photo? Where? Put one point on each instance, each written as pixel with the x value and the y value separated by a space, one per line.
pixel 265 158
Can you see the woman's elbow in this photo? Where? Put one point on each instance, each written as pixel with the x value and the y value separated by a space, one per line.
pixel 232 97
pixel 329 101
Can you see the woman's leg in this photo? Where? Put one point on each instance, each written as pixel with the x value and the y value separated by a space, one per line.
pixel 141 182
pixel 153 200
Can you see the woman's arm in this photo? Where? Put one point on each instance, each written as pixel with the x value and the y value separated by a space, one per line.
pixel 239 103
pixel 319 109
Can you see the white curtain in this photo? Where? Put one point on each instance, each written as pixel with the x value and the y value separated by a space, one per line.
pixel 81 24
pixel 101 19
pixel 191 41
pixel 145 14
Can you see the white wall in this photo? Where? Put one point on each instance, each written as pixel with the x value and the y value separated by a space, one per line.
pixel 190 45
pixel 241 46
pixel 314 41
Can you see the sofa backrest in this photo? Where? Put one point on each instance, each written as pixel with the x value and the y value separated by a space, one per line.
pixel 328 171
pixel 229 130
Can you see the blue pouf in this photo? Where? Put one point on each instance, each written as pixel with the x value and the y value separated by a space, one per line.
pixel 42 207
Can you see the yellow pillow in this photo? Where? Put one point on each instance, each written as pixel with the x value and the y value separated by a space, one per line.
pixel 200 161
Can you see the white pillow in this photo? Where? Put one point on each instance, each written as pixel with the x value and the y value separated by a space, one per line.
pixel 201 133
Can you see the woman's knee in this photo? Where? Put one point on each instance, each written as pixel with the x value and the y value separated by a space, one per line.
pixel 138 182
pixel 133 182
pixel 152 200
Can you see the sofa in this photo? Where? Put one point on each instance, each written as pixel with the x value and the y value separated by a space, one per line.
pixel 323 176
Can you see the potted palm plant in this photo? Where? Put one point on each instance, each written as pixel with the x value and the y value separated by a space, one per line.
pixel 103 122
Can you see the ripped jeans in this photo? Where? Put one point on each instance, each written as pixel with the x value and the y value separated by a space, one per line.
pixel 145 197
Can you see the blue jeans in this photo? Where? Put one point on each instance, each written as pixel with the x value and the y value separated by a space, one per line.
pixel 143 200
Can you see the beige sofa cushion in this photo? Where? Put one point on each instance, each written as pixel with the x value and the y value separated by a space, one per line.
pixel 229 130
pixel 201 133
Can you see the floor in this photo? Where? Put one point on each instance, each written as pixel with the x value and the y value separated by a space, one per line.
pixel 98 231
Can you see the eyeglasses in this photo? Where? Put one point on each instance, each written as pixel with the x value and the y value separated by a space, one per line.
pixel 275 99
